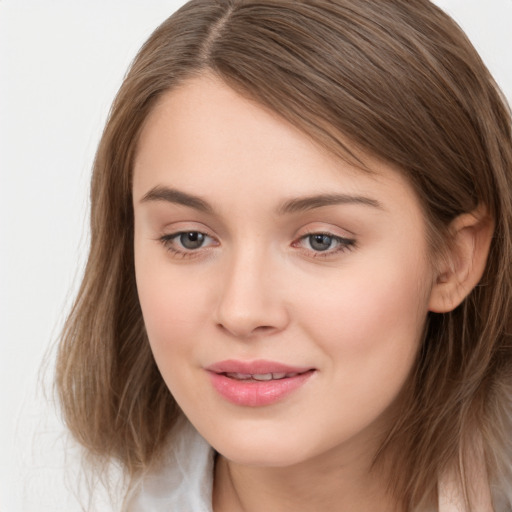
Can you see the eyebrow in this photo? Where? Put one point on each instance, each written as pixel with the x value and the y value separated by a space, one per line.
pixel 172 195
pixel 296 205
pixel 321 200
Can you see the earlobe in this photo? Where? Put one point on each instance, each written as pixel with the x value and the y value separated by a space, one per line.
pixel 464 264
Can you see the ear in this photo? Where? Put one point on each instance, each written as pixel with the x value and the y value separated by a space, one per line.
pixel 464 261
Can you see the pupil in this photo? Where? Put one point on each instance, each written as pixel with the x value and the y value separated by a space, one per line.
pixel 192 240
pixel 320 242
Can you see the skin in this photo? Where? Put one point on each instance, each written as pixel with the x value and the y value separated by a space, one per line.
pixel 258 289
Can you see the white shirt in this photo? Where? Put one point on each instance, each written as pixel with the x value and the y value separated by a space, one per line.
pixel 183 481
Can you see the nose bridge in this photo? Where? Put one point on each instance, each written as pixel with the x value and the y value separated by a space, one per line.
pixel 248 301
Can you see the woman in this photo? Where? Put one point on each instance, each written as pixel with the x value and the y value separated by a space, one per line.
pixel 301 246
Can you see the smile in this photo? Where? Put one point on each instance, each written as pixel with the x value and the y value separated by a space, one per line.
pixel 256 383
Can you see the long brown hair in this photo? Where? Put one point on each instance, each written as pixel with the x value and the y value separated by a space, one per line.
pixel 396 78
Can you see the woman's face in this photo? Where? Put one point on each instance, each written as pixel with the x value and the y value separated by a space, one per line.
pixel 284 291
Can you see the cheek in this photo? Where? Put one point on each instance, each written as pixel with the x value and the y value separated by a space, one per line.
pixel 372 321
pixel 370 330
pixel 170 317
pixel 173 319
pixel 174 306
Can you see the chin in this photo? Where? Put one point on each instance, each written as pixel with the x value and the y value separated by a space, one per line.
pixel 258 457
pixel 246 448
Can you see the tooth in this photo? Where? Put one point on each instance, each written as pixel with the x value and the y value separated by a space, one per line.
pixel 262 376
pixel 239 376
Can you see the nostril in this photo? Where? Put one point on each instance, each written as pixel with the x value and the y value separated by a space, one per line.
pixel 242 332
pixel 264 328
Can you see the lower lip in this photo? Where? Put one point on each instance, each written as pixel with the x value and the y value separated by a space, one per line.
pixel 252 393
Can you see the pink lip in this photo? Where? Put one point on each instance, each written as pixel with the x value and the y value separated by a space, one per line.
pixel 252 393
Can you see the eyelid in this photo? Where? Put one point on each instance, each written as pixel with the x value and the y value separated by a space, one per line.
pixel 327 227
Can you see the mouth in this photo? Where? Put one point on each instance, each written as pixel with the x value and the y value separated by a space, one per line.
pixel 257 383
pixel 261 377
pixel 257 368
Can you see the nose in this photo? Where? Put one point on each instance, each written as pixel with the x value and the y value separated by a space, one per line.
pixel 251 299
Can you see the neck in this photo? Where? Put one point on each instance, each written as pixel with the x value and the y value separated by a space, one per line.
pixel 327 485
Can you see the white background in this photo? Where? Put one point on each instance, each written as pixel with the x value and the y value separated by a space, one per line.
pixel 61 62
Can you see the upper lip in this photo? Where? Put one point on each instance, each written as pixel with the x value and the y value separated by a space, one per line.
pixel 256 367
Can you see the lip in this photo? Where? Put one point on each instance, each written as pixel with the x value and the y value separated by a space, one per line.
pixel 258 366
pixel 256 393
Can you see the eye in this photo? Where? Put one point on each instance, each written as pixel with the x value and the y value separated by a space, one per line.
pixel 186 242
pixel 324 244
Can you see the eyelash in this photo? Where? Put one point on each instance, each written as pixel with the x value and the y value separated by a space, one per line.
pixel 343 244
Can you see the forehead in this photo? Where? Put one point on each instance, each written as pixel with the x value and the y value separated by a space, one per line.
pixel 205 125
pixel 204 137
